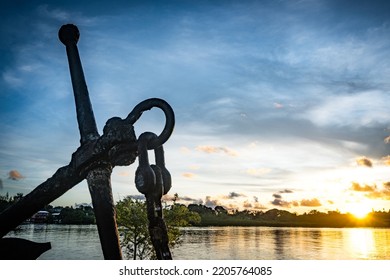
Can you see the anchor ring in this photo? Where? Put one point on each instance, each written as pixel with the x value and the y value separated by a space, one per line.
pixel 148 104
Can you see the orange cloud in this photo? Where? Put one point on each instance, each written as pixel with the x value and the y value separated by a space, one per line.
pixel 314 202
pixel 15 175
pixel 188 175
pixel 386 160
pixel 372 191
pixel 358 188
pixel 363 161
pixel 216 150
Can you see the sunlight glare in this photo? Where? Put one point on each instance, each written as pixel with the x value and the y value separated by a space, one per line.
pixel 359 210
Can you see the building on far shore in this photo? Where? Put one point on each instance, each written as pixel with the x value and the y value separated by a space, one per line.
pixel 40 217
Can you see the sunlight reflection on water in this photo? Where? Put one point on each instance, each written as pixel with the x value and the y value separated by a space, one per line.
pixel 82 242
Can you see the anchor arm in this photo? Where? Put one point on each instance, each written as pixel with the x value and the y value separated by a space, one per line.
pixel 118 138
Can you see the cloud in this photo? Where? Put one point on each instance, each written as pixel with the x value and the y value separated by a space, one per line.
pixel 386 160
pixel 255 205
pixel 216 150
pixel 1 184
pixel 188 175
pixel 15 175
pixel 367 109
pixel 358 188
pixel 57 14
pixel 278 105
pixel 314 202
pixel 233 195
pixel 278 201
pixel 281 203
pixel 183 199
pixel 363 161
pixel 209 202
pixel 381 193
pixel 373 192
pixel 286 191
pixel 247 204
pixel 124 174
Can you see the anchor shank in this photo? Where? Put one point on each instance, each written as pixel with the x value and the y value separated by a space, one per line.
pixel 99 185
pixel 69 35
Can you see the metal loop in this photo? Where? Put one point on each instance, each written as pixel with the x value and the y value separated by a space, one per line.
pixel 148 104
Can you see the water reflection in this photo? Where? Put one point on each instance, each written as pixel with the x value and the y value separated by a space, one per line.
pixel 245 243
pixel 284 243
pixel 361 242
pixel 70 242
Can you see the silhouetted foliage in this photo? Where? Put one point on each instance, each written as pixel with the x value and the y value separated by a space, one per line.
pixel 133 223
pixel 277 217
pixel 7 200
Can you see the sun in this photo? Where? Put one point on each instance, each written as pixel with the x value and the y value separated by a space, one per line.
pixel 359 209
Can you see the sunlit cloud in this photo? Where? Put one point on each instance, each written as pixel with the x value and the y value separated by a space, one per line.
pixel 189 175
pixel 314 202
pixel 124 174
pixel 383 193
pixel 372 191
pixel 358 188
pixel 386 160
pixel 363 161
pixel 15 175
pixel 217 150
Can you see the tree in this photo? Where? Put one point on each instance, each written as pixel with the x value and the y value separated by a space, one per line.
pixel 133 226
pixel 7 200
pixel 132 220
pixel 178 216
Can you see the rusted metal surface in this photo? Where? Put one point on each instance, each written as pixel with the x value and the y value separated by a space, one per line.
pixel 98 178
pixel 93 160
pixel 154 180
pixel 69 36
pixel 21 249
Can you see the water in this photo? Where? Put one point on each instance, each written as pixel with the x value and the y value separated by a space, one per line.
pixel 68 242
pixel 82 242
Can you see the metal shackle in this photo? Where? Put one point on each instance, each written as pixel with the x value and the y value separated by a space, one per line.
pixel 145 178
pixel 160 162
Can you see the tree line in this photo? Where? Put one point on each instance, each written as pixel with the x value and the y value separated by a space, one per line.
pixel 214 216
pixel 131 215
pixel 219 216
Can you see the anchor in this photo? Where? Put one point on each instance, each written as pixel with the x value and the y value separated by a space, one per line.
pixel 93 161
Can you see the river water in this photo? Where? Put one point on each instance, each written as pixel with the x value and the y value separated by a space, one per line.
pixel 228 243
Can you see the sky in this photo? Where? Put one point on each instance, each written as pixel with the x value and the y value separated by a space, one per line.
pixel 279 104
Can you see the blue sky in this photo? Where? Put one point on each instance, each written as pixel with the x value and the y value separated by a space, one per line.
pixel 278 103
